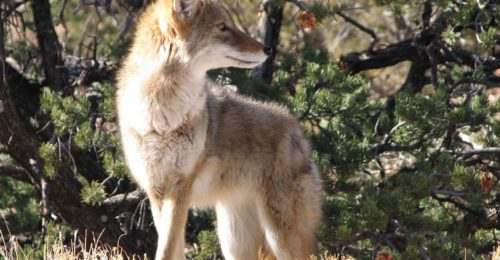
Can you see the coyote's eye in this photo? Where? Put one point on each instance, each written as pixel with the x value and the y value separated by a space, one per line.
pixel 222 27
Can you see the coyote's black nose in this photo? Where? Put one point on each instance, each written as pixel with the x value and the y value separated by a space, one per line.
pixel 267 50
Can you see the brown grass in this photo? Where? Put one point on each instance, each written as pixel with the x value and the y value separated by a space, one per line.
pixel 10 249
pixel 496 254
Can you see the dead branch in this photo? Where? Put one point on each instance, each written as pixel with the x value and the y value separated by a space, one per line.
pixel 16 172
pixel 486 150
pixel 393 54
pixel 450 193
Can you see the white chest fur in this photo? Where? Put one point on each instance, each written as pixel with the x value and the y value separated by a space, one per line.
pixel 163 127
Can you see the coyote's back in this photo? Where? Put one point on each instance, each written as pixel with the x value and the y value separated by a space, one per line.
pixel 190 144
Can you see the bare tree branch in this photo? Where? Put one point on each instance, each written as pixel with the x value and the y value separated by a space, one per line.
pixel 456 203
pixel 363 28
pixel 393 54
pixel 486 150
pixel 450 193
pixel 15 172
pixel 132 198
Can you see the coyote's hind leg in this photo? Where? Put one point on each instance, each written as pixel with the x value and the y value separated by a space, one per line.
pixel 290 216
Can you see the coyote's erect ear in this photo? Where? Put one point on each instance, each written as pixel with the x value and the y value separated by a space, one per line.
pixel 186 8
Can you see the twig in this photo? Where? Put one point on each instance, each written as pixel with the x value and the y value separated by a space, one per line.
pixel 450 193
pixel 299 4
pixel 67 149
pixel 60 13
pixel 12 7
pixel 79 46
pixel 363 28
pixel 380 166
pixel 59 21
pixel 137 212
pixel 15 172
pixel 388 137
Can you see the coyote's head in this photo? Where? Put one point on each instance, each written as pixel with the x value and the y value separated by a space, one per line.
pixel 203 34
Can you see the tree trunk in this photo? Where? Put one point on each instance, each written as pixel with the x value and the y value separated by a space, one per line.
pixel 49 45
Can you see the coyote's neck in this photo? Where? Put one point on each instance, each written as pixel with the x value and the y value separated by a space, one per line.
pixel 160 95
pixel 159 89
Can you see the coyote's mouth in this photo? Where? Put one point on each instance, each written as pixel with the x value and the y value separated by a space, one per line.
pixel 243 61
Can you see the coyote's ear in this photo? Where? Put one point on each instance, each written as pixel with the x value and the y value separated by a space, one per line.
pixel 186 8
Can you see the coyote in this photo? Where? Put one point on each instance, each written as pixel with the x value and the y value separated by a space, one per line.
pixel 188 143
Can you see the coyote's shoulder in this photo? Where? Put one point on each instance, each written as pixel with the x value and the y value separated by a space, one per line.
pixel 189 143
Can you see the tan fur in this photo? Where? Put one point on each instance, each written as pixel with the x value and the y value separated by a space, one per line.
pixel 190 144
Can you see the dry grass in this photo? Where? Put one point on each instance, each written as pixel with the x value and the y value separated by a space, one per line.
pixel 329 256
pixel 95 250
pixel 10 249
pixel 496 254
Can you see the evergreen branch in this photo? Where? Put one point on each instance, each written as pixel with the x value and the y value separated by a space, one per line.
pixel 359 236
pixel 393 240
pixel 456 203
pixel 465 57
pixel 486 218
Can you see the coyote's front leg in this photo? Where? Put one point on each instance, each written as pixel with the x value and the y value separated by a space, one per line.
pixel 170 216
